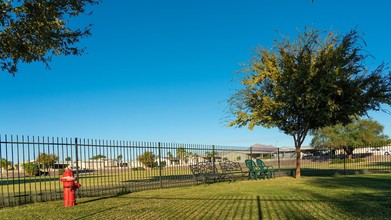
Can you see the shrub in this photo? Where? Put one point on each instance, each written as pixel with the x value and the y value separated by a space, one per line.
pixel 138 168
pixel 348 160
pixel 336 160
pixel 358 160
pixel 32 169
pixel 61 171
pixel 5 164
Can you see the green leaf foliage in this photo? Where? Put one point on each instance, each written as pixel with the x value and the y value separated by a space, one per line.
pixel 98 156
pixel 147 158
pixel 181 152
pixel 37 30
pixel 4 163
pixel 31 169
pixel 315 81
pixel 47 160
pixel 359 133
pixel 310 83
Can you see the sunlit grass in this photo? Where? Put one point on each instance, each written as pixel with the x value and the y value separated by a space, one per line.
pixel 340 197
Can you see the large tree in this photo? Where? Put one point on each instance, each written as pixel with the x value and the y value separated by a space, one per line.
pixel 314 81
pixel 36 30
pixel 359 133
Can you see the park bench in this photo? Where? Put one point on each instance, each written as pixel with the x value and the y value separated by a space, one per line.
pixel 205 172
pixel 232 170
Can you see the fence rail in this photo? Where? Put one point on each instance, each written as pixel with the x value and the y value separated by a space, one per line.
pixel 32 166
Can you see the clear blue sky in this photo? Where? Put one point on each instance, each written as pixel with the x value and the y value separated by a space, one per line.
pixel 161 70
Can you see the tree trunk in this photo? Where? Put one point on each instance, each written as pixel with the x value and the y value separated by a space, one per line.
pixel 349 151
pixel 298 162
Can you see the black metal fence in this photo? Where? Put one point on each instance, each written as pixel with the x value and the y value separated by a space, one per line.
pixel 31 167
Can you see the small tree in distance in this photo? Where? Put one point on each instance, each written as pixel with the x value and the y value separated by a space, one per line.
pixel 119 157
pixel 4 163
pixel 47 160
pixel 182 154
pixel 147 159
pixel 310 83
pixel 359 133
pixel 31 168
pixel 97 157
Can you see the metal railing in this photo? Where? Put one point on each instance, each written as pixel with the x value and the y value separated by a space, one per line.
pixel 31 167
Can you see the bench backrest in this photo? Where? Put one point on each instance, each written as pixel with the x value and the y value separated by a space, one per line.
pixel 250 164
pixel 262 165
pixel 228 166
pixel 203 168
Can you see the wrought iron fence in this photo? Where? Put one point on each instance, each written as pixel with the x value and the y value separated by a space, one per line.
pixel 32 166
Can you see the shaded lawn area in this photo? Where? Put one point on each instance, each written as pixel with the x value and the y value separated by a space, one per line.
pixel 338 197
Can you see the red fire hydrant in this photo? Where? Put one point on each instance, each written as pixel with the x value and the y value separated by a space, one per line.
pixel 70 186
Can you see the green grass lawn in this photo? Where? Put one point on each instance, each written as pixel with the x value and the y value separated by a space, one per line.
pixel 338 197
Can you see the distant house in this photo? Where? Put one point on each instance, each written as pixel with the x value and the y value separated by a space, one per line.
pixel 239 156
pixel 60 165
pixel 260 151
pixel 171 161
pixel 174 161
pixel 135 164
pixel 382 150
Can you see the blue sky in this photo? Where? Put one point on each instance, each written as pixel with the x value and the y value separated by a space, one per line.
pixel 161 70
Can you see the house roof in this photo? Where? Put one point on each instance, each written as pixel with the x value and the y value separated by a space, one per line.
pixel 263 148
pixel 269 148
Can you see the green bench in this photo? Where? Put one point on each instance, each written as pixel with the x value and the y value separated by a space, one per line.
pixel 269 170
pixel 260 171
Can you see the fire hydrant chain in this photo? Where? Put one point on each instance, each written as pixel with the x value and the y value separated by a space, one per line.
pixel 70 187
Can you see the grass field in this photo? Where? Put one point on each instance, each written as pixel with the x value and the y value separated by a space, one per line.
pixel 338 197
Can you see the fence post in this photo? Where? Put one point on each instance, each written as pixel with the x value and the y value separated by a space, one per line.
pixel 344 162
pixel 213 163
pixel 278 156
pixel 77 159
pixel 251 153
pixel 160 165
pixel 213 155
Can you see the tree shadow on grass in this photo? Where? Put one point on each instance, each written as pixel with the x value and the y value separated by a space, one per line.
pixel 374 182
pixel 217 207
pixel 359 205
pixel 100 198
pixel 100 212
pixel 370 197
pixel 210 208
